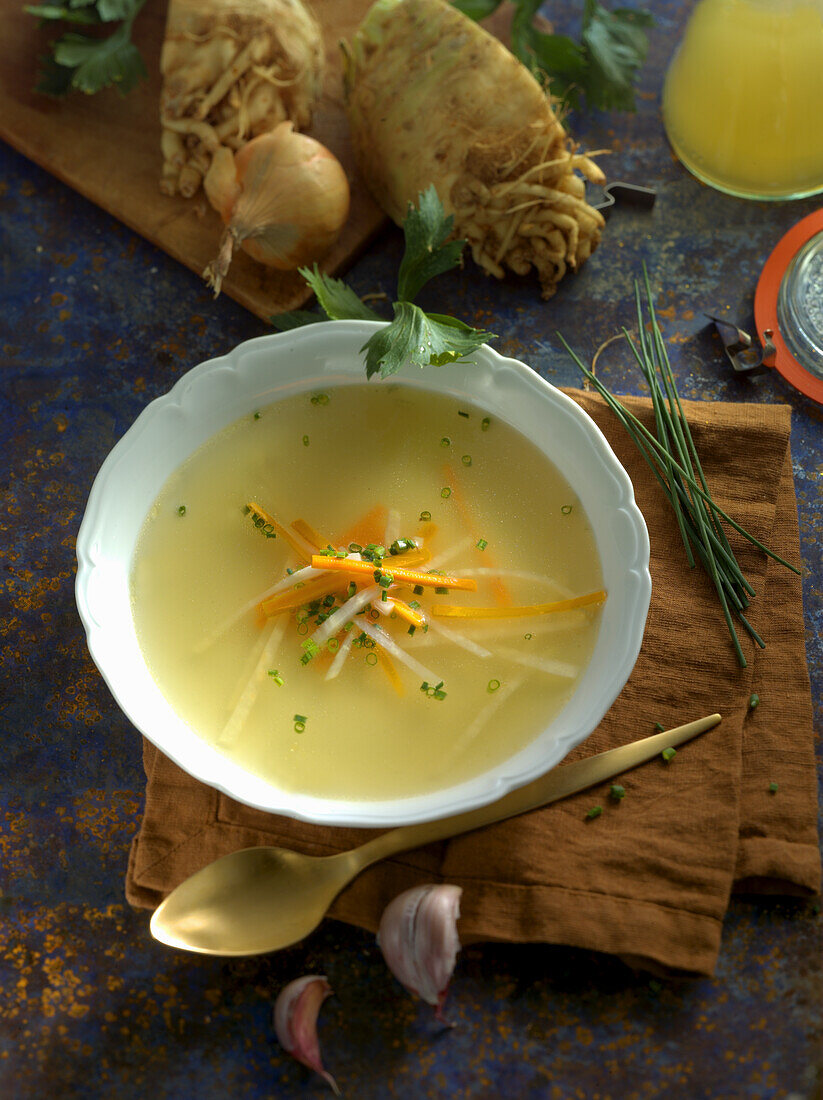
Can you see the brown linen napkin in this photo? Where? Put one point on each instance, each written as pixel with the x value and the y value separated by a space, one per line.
pixel 650 878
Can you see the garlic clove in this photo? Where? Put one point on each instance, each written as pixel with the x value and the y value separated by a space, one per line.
pixel 295 1021
pixel 419 941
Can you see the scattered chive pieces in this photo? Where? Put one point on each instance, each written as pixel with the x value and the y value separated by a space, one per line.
pixel 300 718
pixel 355 548
pixel 445 492
pixel 445 441
pixel 754 699
pixel 418 590
pixel 305 441
pixel 411 629
pixel 425 516
pixel 440 591
pixel 773 787
pixel 181 511
pixel 595 811
pixel 257 414
pixel 320 399
pixel 275 675
pixel 617 792
pixel 659 726
pixel 260 522
pixel 484 424
pixel 461 413
pixel 481 544
pixel 302 628
pixel 528 637
pixel 492 685
pixel 371 658
pixel 332 644
pixel 669 754
pixel 400 546
pixel 466 460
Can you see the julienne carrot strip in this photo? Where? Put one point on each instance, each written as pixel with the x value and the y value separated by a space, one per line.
pixel 454 612
pixel 292 598
pixel 406 612
pixel 389 667
pixel 498 586
pixel 295 541
pixel 369 528
pixel 318 541
pixel 407 576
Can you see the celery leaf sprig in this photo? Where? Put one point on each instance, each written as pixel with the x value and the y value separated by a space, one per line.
pixel 89 62
pixel 603 65
pixel 413 335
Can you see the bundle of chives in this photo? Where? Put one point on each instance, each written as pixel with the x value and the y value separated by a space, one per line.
pixel 673 459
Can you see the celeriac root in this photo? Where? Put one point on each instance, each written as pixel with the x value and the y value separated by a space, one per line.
pixel 433 98
pixel 232 70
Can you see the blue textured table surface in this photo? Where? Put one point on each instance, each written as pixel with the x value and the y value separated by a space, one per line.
pixel 95 323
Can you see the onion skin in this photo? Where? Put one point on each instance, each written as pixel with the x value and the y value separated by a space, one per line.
pixel 284 199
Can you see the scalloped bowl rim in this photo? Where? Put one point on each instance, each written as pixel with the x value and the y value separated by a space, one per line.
pixel 257 372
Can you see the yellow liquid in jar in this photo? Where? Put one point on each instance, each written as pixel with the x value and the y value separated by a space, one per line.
pixel 743 97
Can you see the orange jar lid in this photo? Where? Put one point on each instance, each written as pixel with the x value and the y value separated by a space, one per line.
pixel 788 306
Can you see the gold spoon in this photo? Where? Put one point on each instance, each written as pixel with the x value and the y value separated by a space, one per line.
pixel 262 899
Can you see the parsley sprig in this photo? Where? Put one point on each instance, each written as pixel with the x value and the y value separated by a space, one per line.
pixel 90 62
pixel 413 336
pixel 603 66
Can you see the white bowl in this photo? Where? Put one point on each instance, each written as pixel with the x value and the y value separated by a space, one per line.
pixel 219 391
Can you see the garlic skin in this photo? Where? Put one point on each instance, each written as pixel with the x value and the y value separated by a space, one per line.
pixel 295 1020
pixel 284 198
pixel 419 941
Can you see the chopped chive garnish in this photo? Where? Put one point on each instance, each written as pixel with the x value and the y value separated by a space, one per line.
pixel 257 414
pixel 754 699
pixel 320 399
pixel 466 460
pixel 414 604
pixel 305 441
pixel 400 546
pixel 303 628
pixel 351 590
pixel 332 644
pixel 440 591
pixel 311 647
pixel 566 509
pixel 595 811
pixel 418 590
pixel 484 424
pixel 181 510
pixel 617 792
pixel 275 675
pixel 481 544
pixel 461 413
pixel 445 441
pixel 659 726
pixel 300 720
pixel 492 685
pixel 445 492
pixel 355 548
pixel 425 516
pixel 411 629
pixel 669 754
pixel 773 787
pixel 371 658
pixel 264 526
pixel 528 637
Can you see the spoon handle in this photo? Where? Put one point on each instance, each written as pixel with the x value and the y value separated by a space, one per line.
pixel 555 784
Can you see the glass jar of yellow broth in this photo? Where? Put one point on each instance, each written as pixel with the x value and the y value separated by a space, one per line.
pixel 743 97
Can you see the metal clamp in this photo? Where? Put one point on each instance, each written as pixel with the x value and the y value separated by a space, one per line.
pixel 743 355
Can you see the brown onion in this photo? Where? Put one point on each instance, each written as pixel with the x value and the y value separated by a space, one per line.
pixel 283 198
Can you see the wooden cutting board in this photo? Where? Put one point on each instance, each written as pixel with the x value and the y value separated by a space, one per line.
pixel 107 147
